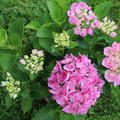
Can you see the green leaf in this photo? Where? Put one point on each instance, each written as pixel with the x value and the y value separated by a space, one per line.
pixel 3 37
pixel 80 117
pixel 39 92
pixel 43 114
pixel 72 45
pixel 8 101
pixel 44 32
pixel 57 51
pixel 26 104
pixel 103 9
pixel 107 89
pixel 64 116
pixel 46 43
pixel 16 30
pixel 15 39
pixel 18 74
pixel 25 93
pixel 17 27
pixel 33 25
pixel 7 60
pixel 56 12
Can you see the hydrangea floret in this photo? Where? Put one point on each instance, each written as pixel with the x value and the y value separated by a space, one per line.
pixel 84 18
pixel 108 27
pixel 62 39
pixel 75 84
pixel 35 62
pixel 12 86
pixel 112 62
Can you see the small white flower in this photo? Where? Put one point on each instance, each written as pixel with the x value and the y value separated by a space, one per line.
pixel 26 57
pixel 40 53
pixel 3 83
pixel 22 61
pixel 34 51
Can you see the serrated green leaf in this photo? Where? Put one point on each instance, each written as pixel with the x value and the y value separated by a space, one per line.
pixel 39 92
pixel 7 60
pixel 44 32
pixel 56 12
pixel 46 43
pixel 26 104
pixel 15 40
pixel 103 9
pixel 25 93
pixel 72 45
pixel 8 101
pixel 33 25
pixel 64 116
pixel 17 27
pixel 16 30
pixel 43 114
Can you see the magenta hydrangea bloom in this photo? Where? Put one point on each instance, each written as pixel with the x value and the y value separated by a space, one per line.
pixel 83 17
pixel 112 62
pixel 75 84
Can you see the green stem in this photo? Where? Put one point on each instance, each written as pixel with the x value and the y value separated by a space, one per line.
pixel 94 42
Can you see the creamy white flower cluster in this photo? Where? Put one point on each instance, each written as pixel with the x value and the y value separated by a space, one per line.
pixel 35 62
pixel 108 26
pixel 12 86
pixel 62 39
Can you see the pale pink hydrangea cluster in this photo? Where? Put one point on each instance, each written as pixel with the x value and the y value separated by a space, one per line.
pixel 112 62
pixel 34 62
pixel 108 27
pixel 75 84
pixel 83 17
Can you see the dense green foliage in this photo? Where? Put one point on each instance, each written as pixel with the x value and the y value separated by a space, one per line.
pixel 28 24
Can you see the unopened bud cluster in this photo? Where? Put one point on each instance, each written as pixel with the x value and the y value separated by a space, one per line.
pixel 62 39
pixel 12 86
pixel 35 62
pixel 108 26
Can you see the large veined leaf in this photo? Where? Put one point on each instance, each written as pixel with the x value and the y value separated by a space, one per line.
pixel 103 9
pixel 64 116
pixel 56 12
pixel 45 30
pixel 72 44
pixel 15 39
pixel 26 104
pixel 43 114
pixel 38 91
pixel 33 25
pixel 17 27
pixel 7 60
pixel 46 43
pixel 16 30
pixel 8 101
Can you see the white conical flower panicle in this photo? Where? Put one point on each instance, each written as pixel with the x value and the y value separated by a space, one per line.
pixel 34 62
pixel 12 86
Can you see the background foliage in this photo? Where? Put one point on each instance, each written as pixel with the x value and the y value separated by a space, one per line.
pixel 28 24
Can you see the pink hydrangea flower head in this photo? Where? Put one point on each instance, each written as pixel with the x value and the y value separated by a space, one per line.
pixel 75 84
pixel 83 17
pixel 112 62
